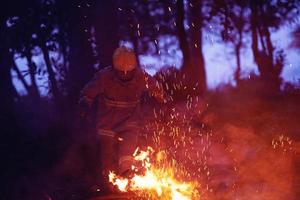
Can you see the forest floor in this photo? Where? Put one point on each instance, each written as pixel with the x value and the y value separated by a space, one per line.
pixel 244 147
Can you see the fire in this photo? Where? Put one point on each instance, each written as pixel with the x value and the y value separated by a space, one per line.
pixel 154 179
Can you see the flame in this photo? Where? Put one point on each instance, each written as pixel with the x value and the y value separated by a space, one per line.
pixel 155 180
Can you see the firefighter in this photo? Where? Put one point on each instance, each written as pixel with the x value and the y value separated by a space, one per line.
pixel 118 91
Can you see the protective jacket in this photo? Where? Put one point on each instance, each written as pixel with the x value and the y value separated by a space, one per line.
pixel 118 114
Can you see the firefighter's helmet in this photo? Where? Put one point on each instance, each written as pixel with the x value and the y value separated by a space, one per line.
pixel 124 59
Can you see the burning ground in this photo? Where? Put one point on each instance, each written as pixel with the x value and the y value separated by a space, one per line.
pixel 243 147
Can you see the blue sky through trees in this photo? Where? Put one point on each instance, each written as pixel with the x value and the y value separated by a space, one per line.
pixel 219 59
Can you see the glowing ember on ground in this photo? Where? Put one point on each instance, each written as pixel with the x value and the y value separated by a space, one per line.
pixel 154 180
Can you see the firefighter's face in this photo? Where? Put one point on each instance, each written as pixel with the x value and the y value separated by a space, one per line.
pixel 125 75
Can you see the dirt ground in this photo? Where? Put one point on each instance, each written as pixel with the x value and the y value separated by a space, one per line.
pixel 243 147
pixel 235 145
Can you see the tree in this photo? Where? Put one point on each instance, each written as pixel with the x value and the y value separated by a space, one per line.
pixel 21 28
pixel 187 65
pixel 264 17
pixel 106 30
pixel 7 90
pixel 8 93
pixel 232 15
pixel 81 58
pixel 196 22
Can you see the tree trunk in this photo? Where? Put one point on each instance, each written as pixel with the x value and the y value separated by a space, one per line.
pixel 190 74
pixel 19 74
pixel 133 35
pixel 32 71
pixel 237 73
pixel 264 58
pixel 267 36
pixel 106 30
pixel 135 42
pixel 51 75
pixel 257 54
pixel 7 90
pixel 238 47
pixel 182 37
pixel 269 44
pixel 196 44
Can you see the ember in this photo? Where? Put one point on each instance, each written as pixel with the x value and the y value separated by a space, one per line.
pixel 154 179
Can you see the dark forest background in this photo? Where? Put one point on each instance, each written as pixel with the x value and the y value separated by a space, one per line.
pixel 36 129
